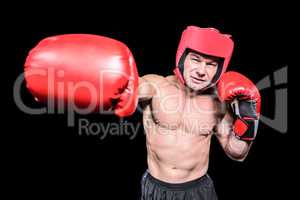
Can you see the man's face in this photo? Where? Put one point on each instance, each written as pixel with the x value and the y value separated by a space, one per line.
pixel 199 70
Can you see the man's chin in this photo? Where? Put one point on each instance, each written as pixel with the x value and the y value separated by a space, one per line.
pixel 198 87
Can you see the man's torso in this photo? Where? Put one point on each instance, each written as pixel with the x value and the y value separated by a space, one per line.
pixel 178 129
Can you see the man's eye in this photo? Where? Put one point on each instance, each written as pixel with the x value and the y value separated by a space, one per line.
pixel 195 59
pixel 212 64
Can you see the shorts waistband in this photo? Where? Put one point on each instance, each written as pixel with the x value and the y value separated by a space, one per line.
pixel 180 186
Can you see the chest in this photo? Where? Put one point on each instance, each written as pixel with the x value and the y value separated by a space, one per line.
pixel 174 110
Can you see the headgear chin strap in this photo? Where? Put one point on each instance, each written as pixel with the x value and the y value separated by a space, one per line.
pixel 208 41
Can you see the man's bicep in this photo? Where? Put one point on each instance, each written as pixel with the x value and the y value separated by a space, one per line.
pixel 149 85
pixel 224 129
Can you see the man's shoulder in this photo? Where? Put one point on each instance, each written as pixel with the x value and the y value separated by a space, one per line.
pixel 171 78
pixel 155 78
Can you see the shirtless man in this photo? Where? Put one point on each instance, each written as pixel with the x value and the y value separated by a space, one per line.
pixel 180 119
pixel 180 113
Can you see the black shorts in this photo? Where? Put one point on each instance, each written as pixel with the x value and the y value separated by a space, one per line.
pixel 199 189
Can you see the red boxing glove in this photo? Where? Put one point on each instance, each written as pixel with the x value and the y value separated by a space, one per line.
pixel 245 101
pixel 86 70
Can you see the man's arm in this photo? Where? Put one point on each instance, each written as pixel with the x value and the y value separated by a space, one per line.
pixel 235 148
pixel 149 86
pixel 238 128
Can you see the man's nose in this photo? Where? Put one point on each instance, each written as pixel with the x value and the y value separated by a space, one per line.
pixel 201 69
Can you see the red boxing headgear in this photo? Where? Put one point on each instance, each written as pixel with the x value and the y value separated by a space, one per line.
pixel 208 41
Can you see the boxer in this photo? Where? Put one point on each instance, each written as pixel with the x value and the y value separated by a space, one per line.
pixel 181 112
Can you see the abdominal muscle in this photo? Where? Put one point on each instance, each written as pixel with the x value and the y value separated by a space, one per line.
pixel 175 156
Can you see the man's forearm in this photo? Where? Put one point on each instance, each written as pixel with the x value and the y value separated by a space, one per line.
pixel 237 149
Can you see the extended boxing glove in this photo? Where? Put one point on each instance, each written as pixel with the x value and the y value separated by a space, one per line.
pixel 84 70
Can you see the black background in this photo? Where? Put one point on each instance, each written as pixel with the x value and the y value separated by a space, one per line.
pixel 46 158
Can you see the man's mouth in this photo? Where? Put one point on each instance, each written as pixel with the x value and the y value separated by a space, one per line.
pixel 197 80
